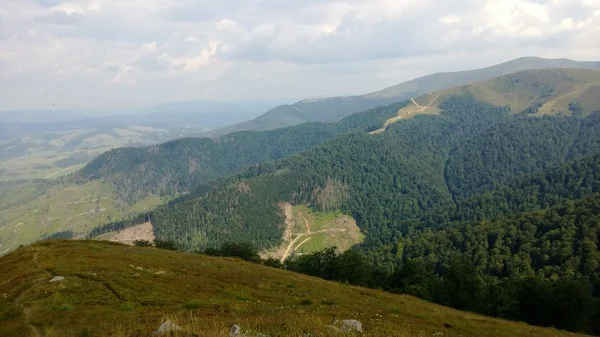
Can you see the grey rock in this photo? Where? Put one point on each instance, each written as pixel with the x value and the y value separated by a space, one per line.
pixel 139 268
pixel 165 328
pixel 57 279
pixel 235 331
pixel 347 326
pixel 159 273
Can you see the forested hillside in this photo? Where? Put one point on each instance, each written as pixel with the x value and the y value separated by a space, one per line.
pixel 179 166
pixel 474 208
pixel 428 163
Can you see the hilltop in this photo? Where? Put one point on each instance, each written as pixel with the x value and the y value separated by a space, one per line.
pixel 554 92
pixel 335 108
pixel 117 290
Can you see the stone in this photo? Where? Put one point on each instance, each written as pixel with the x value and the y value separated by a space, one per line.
pixel 57 279
pixel 166 328
pixel 139 268
pixel 347 326
pixel 235 331
pixel 159 273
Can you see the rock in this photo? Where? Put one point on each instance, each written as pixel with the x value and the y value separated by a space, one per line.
pixel 166 328
pixel 235 331
pixel 139 268
pixel 57 279
pixel 159 273
pixel 347 326
pixel 136 275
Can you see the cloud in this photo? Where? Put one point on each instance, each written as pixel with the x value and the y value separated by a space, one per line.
pixel 61 18
pixel 140 52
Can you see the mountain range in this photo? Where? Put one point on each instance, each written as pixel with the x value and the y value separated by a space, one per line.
pixel 335 108
pixel 480 196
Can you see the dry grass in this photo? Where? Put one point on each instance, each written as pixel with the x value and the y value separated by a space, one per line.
pixel 519 91
pixel 105 294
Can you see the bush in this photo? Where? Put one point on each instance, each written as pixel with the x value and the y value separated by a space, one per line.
pixel 243 250
pixel 142 243
pixel 271 262
pixel 165 244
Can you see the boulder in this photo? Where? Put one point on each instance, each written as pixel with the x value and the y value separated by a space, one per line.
pixel 166 328
pixel 346 326
pixel 57 279
pixel 235 331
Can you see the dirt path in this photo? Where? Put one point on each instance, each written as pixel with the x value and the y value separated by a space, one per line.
pixel 27 311
pixel 64 223
pixel 405 114
pixel 289 221
pixel 501 95
pixel 303 242
pixel 417 104
pixel 306 223
pixel 288 251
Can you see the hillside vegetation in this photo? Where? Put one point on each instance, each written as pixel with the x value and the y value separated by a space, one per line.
pixel 45 210
pixel 554 92
pixel 335 108
pixel 471 162
pixel 115 290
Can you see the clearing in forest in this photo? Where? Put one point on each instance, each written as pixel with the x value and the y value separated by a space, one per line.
pixel 129 235
pixel 307 232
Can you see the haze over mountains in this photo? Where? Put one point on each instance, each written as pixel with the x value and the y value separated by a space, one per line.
pixel 397 181
pixel 335 108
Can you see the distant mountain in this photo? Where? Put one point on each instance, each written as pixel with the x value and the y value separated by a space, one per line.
pixel 563 92
pixel 335 108
pixel 205 114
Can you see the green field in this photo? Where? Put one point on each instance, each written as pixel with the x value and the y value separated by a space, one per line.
pixel 75 208
pixel 116 290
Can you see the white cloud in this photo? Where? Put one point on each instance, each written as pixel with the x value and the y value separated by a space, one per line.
pixel 139 52
pixel 449 19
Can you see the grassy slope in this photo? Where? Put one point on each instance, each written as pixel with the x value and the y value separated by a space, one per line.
pixel 105 295
pixel 520 91
pixel 74 208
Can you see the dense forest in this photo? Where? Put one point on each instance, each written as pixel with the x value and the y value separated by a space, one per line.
pixel 390 181
pixel 473 208
pixel 182 165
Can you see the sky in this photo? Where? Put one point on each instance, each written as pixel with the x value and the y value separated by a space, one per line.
pixel 134 53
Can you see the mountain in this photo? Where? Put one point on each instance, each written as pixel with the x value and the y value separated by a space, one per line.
pixel 125 181
pixel 487 156
pixel 107 289
pixel 332 109
pixel 470 163
pixel 533 92
pixel 51 143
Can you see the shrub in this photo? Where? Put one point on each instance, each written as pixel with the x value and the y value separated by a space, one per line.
pixel 142 243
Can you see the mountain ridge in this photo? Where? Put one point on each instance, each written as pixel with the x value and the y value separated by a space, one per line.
pixel 334 108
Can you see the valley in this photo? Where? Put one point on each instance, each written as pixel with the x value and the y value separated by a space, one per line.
pixel 479 197
pixel 65 211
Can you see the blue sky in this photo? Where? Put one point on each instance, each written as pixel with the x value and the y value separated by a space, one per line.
pixel 130 53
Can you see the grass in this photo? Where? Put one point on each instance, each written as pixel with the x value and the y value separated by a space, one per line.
pixel 519 91
pixel 72 208
pixel 101 296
